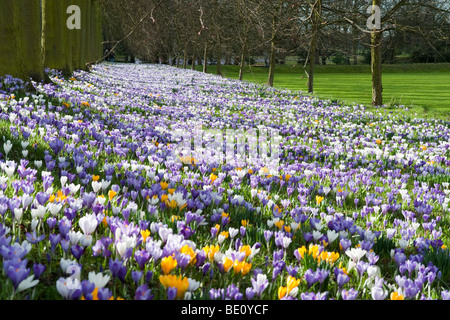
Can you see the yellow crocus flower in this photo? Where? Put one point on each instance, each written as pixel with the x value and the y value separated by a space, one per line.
pixel 145 234
pixel 168 264
pixel 282 292
pixel 164 185
pixel 179 282
pixel 396 296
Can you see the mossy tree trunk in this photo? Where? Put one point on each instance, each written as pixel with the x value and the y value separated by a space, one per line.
pixel 56 37
pixel 376 52
pixel 20 35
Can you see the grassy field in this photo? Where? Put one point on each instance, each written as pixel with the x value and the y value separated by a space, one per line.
pixel 423 88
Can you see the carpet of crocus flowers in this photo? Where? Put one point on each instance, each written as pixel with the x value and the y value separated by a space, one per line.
pixel 95 206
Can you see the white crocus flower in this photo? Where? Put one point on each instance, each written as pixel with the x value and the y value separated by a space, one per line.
pixel 96 186
pixel 75 237
pixel 378 293
pixel 101 200
pixel 7 146
pixel 88 223
pixel 38 212
pixel 98 279
pixel 27 284
pixel 355 253
pixel 193 285
pixel 63 181
pixel 316 235
pixel 26 200
pixel 74 188
pixel 403 243
pixel 18 212
pixel 221 238
pixel 54 208
pixel 105 184
pixel 332 235
pixel 3 179
pixel 233 232
pixel 86 240
pixel 38 163
pixel 65 263
pixel 66 287
pixel 9 170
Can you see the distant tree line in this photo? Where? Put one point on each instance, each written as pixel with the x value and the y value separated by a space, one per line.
pixel 186 33
pixel 34 35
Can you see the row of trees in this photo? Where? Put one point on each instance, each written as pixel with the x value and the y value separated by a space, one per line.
pixel 190 32
pixel 39 34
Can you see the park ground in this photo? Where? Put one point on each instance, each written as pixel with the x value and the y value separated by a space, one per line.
pixel 423 89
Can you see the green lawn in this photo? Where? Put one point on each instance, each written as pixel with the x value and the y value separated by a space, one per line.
pixel 424 88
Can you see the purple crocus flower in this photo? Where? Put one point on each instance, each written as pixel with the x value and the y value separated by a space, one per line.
pixel 205 268
pixel 38 269
pixel 200 257
pixel 16 272
pixel 341 277
pixel 215 294
pixel 143 292
pixel 311 277
pixel 171 293
pixel 114 267
pixel 142 257
pixel 345 243
pixel 104 294
pixel 445 294
pixel 42 198
pixel 87 288
pixel 64 226
pixel 136 276
pixel 148 276
pixel 350 294
pixel 56 145
pixel 77 251
pixel 292 270
pixel 33 238
pixel 314 296
pixel 250 293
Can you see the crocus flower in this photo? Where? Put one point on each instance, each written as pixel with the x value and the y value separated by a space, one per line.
pixel 350 294
pixel 260 284
pixel 181 284
pixel 143 292
pixel 69 288
pixel 88 224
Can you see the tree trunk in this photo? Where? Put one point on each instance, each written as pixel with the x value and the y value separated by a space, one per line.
pixel 273 56
pixel 219 59
pixel 242 62
pixel 76 44
pixel 377 87
pixel 273 48
pixel 185 58
pixel 312 54
pixel 205 59
pixel 354 46
pixel 316 16
pixel 21 38
pixel 193 63
pixel 56 41
pixel 376 51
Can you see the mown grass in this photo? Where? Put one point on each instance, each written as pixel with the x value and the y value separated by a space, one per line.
pixel 423 88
